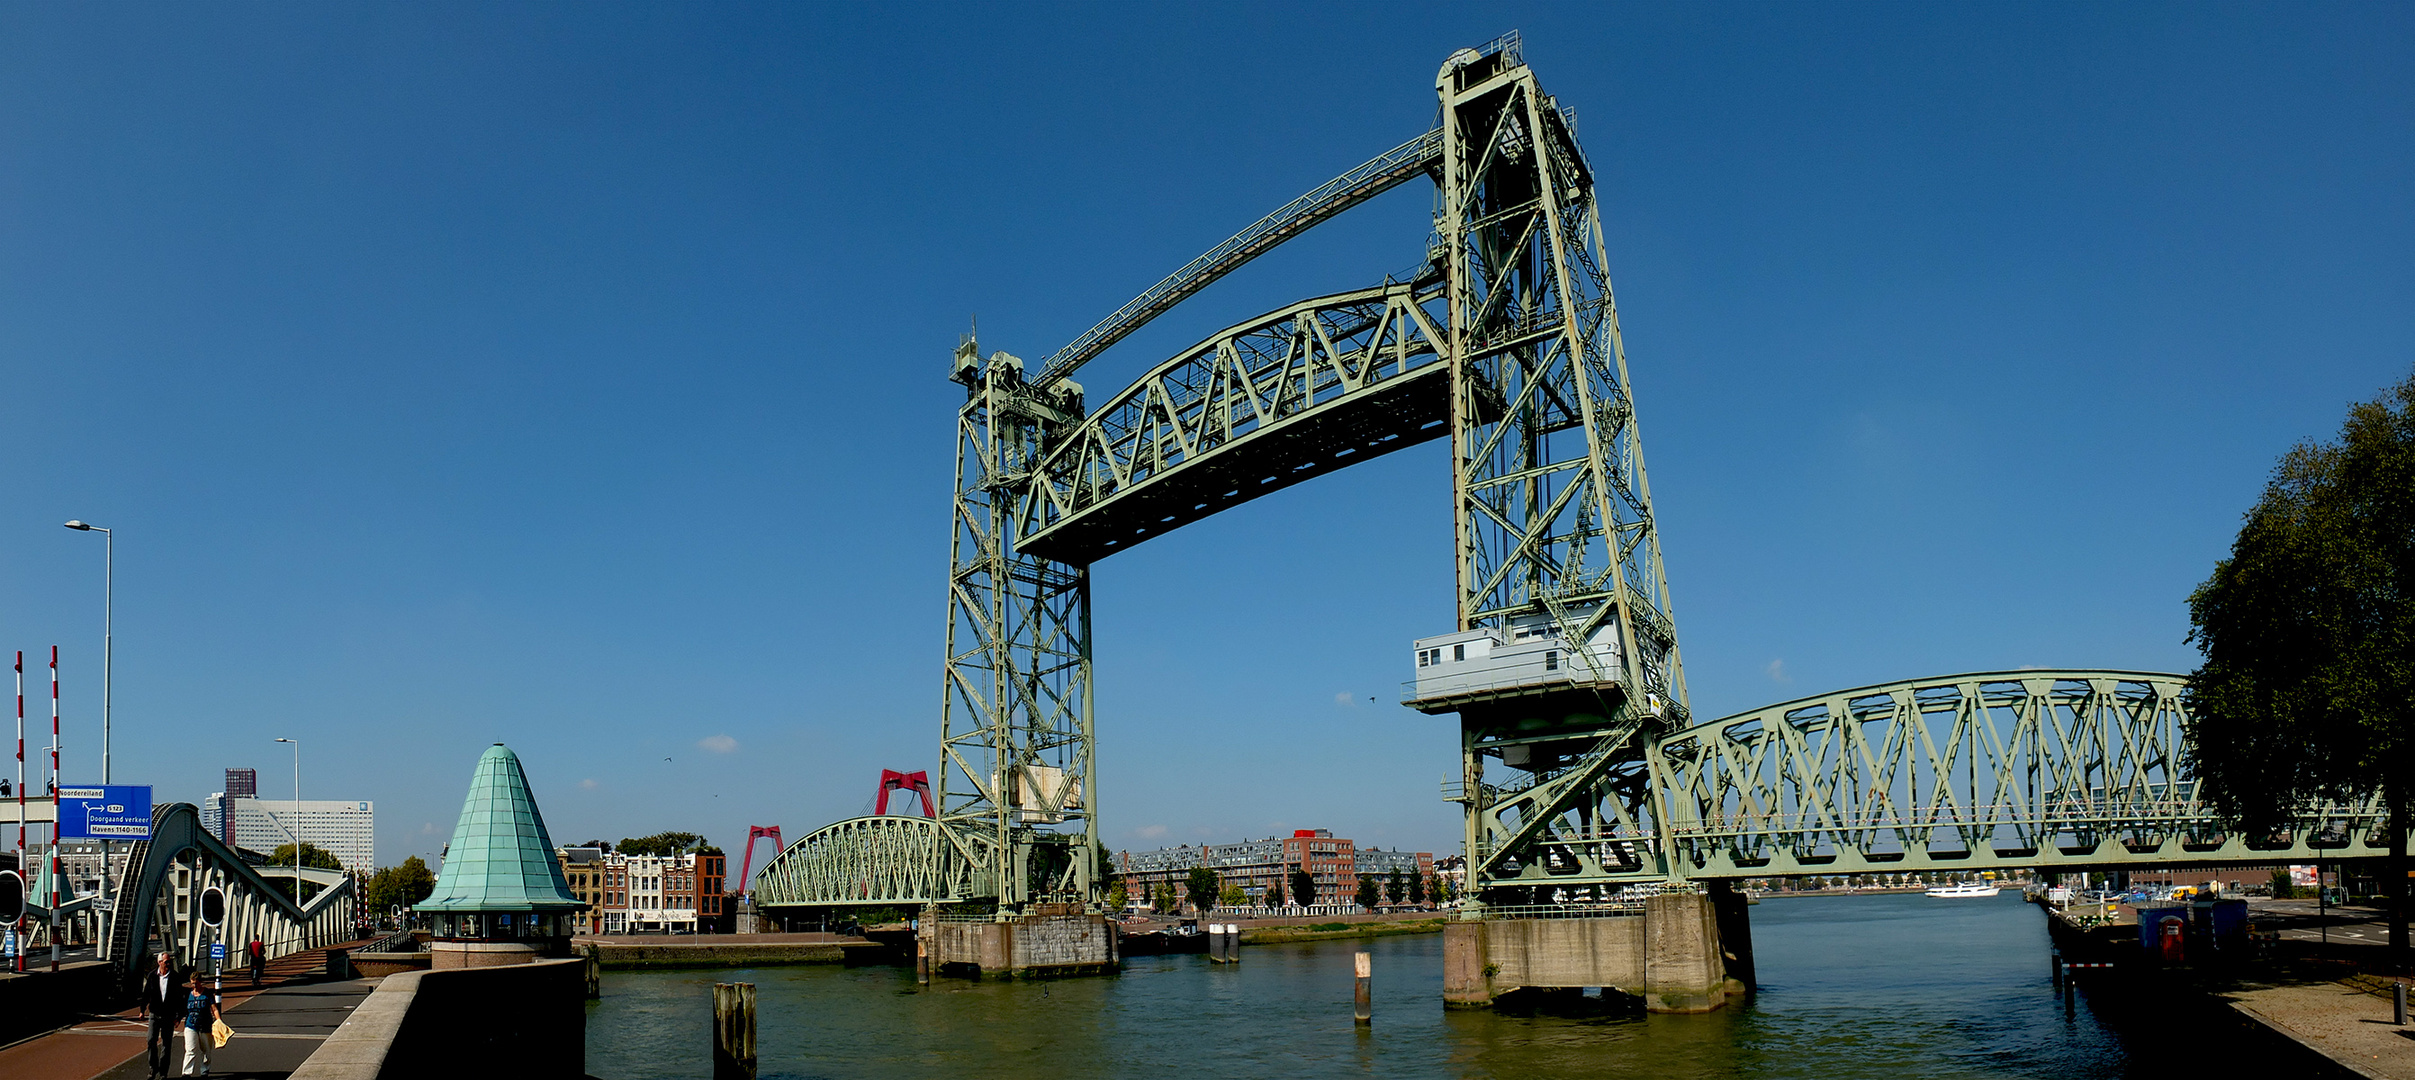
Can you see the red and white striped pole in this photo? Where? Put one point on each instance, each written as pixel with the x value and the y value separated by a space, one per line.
pixel 55 865
pixel 20 924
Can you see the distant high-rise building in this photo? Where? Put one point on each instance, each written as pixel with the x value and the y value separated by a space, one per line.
pixel 214 819
pixel 342 828
pixel 242 783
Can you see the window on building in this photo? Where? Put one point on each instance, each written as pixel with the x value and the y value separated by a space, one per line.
pixel 1458 652
pixel 1551 660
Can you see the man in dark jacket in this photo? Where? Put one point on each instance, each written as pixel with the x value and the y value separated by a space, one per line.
pixel 163 1004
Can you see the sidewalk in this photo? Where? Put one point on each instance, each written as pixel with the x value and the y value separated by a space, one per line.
pixel 2344 1023
pixel 114 1046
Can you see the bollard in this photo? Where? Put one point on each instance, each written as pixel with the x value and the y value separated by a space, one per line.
pixel 733 1031
pixel 1232 943
pixel 922 962
pixel 1365 1011
pixel 593 970
pixel 2398 995
pixel 1219 948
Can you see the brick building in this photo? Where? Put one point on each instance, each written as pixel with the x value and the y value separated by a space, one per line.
pixel 645 894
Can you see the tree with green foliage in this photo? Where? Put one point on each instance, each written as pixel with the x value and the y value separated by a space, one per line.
pixel 1165 901
pixel 1233 896
pixel 1417 888
pixel 400 886
pixel 1366 892
pixel 2282 887
pixel 663 843
pixel 1204 887
pixel 313 857
pixel 2307 693
pixel 1116 896
pixel 1395 889
pixel 1442 889
pixel 1303 887
pixel 1274 893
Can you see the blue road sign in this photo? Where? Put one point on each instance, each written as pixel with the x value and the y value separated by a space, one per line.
pixel 105 812
pixel 217 950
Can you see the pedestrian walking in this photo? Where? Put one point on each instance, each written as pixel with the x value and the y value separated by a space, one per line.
pixel 163 1006
pixel 200 1024
pixel 259 959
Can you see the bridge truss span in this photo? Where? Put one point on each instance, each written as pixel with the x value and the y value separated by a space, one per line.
pixel 876 860
pixel 2076 768
pixel 1257 407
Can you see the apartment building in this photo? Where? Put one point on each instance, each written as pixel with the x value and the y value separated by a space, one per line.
pixel 644 894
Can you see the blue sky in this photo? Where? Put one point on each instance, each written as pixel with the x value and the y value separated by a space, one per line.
pixel 573 376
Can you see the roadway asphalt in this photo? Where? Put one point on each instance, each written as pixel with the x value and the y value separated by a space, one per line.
pixel 2304 920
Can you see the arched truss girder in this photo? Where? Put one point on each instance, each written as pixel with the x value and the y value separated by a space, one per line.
pixel 2050 768
pixel 878 860
pixel 167 875
pixel 1255 408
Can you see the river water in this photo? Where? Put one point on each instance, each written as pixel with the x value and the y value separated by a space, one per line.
pixel 1859 986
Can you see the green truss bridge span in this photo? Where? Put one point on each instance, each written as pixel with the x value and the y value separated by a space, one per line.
pixel 2070 769
pixel 1583 768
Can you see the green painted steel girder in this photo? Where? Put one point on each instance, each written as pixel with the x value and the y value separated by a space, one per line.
pixel 878 860
pixel 1257 407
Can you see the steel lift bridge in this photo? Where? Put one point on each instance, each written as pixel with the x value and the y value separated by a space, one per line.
pixel 1583 770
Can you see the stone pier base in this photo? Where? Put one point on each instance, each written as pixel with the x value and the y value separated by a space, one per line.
pixel 1670 955
pixel 1058 940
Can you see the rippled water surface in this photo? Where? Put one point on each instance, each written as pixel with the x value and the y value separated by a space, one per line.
pixel 1871 986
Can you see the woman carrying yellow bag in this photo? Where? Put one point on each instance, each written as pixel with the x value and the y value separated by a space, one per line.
pixel 220 1033
pixel 201 1027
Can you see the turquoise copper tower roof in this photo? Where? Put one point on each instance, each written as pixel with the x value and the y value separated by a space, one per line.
pixel 501 857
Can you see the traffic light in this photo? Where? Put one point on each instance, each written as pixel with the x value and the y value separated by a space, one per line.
pixel 213 906
pixel 12 896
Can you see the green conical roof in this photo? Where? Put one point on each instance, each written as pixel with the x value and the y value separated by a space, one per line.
pixel 501 857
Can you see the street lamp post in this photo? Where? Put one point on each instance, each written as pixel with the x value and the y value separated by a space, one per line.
pixel 293 829
pixel 108 655
pixel 108 640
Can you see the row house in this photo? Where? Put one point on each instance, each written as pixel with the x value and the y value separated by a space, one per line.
pixel 645 894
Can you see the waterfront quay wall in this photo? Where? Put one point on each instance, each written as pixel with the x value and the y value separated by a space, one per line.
pixel 1671 954
pixel 527 1020
pixel 726 950
pixel 1051 943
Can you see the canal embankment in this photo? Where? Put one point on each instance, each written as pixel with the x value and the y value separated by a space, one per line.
pixel 635 952
pixel 2311 1008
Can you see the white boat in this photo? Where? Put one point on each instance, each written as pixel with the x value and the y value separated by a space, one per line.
pixel 1968 888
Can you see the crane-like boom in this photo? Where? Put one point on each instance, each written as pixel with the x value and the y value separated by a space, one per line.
pixel 1419 155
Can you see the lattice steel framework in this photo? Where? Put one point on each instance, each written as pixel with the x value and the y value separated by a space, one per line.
pixel 1507 342
pixel 2011 768
pixel 1554 514
pixel 880 860
pixel 1015 712
pixel 1254 408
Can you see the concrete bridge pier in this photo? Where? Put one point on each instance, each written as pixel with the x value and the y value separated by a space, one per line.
pixel 1684 953
pixel 1052 940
